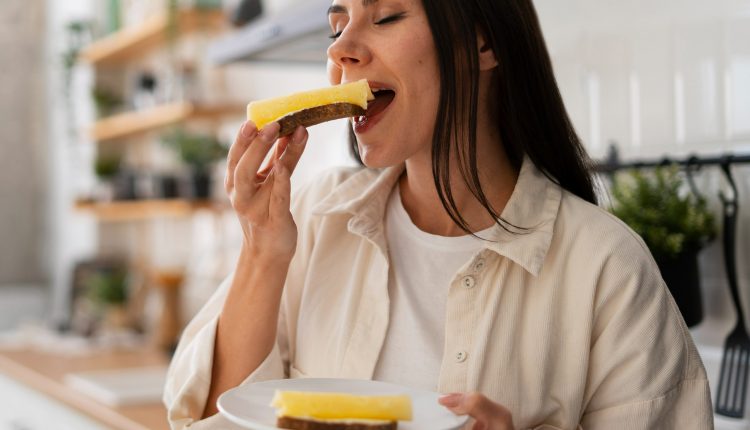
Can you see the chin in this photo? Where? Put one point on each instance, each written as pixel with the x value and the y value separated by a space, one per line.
pixel 374 162
pixel 379 162
pixel 376 158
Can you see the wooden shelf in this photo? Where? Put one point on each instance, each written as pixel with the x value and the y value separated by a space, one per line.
pixel 132 123
pixel 133 42
pixel 138 210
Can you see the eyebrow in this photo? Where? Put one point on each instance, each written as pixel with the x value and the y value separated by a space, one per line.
pixel 341 9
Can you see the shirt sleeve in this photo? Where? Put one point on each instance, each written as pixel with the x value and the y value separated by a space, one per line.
pixel 189 374
pixel 644 369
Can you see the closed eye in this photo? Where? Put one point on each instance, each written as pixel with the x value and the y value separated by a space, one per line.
pixel 386 20
pixel 390 19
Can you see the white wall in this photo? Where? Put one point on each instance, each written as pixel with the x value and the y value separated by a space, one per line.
pixel 666 77
pixel 22 151
pixel 70 237
pixel 655 76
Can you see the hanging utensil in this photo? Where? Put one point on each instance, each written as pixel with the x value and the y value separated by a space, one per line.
pixel 692 166
pixel 731 395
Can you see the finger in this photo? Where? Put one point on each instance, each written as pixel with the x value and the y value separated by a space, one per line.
pixel 247 133
pixel 282 188
pixel 278 150
pixel 480 425
pixel 294 149
pixel 281 146
pixel 264 171
pixel 487 413
pixel 249 164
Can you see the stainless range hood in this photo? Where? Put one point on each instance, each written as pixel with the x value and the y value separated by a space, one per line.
pixel 298 35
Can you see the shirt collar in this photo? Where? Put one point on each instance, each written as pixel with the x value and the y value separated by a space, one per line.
pixel 529 214
pixel 364 195
pixel 529 217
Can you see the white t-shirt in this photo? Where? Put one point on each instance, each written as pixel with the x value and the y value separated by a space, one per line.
pixel 422 267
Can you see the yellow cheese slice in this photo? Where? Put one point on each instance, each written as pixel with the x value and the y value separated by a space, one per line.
pixel 331 406
pixel 266 111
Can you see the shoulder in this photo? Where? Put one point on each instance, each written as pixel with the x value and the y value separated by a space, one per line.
pixel 607 255
pixel 326 183
pixel 585 225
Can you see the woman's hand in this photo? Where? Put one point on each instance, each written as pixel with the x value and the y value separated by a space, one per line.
pixel 260 195
pixel 486 414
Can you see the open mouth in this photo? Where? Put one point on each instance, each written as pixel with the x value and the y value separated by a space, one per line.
pixel 383 98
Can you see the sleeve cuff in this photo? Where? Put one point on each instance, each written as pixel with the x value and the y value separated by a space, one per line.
pixel 190 379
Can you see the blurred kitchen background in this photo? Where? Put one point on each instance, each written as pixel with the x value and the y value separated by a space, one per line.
pixel 116 117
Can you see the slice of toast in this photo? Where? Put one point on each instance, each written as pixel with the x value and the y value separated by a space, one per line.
pixel 306 410
pixel 312 107
pixel 317 115
pixel 291 423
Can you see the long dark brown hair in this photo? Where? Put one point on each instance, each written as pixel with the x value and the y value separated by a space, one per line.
pixel 530 111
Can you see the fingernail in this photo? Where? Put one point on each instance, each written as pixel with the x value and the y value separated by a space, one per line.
pixel 450 400
pixel 248 129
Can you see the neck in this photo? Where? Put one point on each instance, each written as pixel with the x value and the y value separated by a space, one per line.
pixel 496 175
pixel 422 202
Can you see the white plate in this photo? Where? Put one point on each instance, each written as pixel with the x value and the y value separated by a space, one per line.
pixel 249 405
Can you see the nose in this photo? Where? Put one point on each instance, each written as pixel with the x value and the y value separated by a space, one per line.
pixel 348 52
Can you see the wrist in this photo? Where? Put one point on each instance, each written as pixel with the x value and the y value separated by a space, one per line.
pixel 262 257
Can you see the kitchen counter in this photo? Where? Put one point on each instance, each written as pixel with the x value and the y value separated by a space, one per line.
pixel 44 372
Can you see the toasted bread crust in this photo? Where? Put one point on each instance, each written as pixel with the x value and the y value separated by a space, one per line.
pixel 302 424
pixel 317 115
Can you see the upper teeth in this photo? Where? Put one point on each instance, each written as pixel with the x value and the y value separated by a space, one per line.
pixel 375 90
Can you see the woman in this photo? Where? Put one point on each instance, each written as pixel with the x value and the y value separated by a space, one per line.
pixel 469 257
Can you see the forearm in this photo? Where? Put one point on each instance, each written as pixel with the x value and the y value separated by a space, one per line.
pixel 247 323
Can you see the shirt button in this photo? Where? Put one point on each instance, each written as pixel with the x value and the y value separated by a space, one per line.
pixel 461 356
pixel 468 282
pixel 479 265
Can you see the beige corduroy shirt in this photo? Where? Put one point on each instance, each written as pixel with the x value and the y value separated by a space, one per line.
pixel 567 322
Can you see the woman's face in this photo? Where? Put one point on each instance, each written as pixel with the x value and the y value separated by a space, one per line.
pixel 389 43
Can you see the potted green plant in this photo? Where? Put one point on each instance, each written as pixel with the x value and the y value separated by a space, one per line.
pixel 198 152
pixel 107 290
pixel 675 224
pixel 106 102
pixel 106 168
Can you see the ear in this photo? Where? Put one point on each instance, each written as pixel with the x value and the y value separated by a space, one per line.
pixel 487 60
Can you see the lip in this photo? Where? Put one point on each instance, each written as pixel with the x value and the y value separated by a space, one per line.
pixel 363 124
pixel 375 85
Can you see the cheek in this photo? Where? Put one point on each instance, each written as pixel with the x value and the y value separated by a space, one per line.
pixel 422 62
pixel 425 68
pixel 334 73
